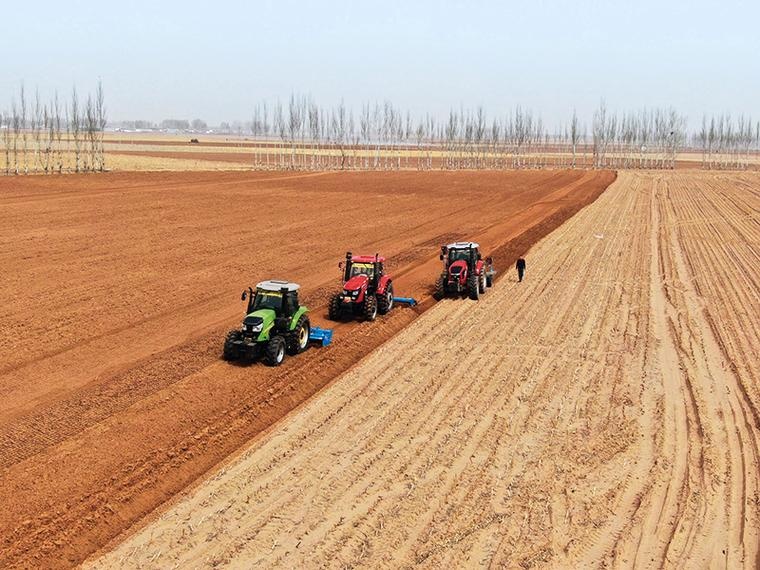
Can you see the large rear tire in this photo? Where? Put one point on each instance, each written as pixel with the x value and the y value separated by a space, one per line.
pixel 334 309
pixel 298 338
pixel 370 308
pixel 274 352
pixel 473 287
pixel 385 301
pixel 440 288
pixel 230 351
pixel 482 282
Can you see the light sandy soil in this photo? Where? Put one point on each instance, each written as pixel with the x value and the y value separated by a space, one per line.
pixel 602 413
pixel 119 288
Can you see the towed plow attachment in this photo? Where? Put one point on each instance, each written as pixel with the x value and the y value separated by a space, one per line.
pixel 320 336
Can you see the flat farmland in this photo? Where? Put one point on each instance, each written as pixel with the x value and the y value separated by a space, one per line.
pixel 118 289
pixel 603 413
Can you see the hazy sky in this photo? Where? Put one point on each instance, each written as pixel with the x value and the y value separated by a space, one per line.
pixel 214 60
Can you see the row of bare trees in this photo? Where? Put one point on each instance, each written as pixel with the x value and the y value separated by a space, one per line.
pixel 727 143
pixel 301 135
pixel 54 136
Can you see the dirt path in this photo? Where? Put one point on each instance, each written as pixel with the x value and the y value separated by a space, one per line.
pixel 119 288
pixel 602 413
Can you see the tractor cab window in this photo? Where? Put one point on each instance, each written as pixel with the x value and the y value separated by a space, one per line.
pixel 267 300
pixel 291 301
pixel 367 269
pixel 459 254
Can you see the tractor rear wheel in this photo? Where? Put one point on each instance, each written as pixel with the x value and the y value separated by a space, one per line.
pixel 440 288
pixel 482 282
pixel 298 338
pixel 333 309
pixel 473 287
pixel 274 352
pixel 370 308
pixel 385 301
pixel 230 351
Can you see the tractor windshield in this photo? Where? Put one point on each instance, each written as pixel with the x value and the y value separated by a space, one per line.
pixel 367 269
pixel 267 300
pixel 459 254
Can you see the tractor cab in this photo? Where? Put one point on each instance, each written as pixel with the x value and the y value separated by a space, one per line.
pixel 371 266
pixel 466 252
pixel 278 296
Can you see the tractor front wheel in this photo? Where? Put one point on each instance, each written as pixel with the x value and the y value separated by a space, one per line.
pixel 333 310
pixel 370 308
pixel 274 352
pixel 298 338
pixel 385 301
pixel 230 351
pixel 473 287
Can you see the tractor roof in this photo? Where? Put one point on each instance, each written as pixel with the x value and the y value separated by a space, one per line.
pixel 277 285
pixel 366 258
pixel 463 245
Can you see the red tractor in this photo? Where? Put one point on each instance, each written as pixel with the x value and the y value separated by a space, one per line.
pixel 367 290
pixel 464 271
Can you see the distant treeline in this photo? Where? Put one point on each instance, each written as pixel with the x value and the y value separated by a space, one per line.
pixel 54 136
pixel 302 135
pixel 382 136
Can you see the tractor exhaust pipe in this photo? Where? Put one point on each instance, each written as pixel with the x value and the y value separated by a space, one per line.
pixel 347 267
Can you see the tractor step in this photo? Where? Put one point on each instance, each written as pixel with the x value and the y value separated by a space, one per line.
pixel 322 336
pixel 405 300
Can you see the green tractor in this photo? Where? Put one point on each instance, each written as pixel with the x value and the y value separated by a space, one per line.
pixel 275 324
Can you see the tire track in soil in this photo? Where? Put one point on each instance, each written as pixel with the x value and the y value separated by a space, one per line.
pixel 608 423
pixel 184 411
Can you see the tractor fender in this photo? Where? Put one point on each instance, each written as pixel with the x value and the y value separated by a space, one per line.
pixel 382 285
pixel 297 315
pixel 480 267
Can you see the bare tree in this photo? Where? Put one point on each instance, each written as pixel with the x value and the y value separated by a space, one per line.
pixel 75 125
pixel 23 124
pixel 575 134
pixel 100 126
pixel 6 125
pixel 90 122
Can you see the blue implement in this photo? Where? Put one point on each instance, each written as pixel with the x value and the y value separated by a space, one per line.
pixel 322 336
pixel 405 300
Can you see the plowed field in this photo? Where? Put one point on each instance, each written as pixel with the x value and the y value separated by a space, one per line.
pixel 602 413
pixel 117 291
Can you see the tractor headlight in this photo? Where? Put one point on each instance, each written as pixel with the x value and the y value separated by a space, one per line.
pixel 252 328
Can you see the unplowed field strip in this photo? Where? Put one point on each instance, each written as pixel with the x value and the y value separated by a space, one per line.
pixel 603 413
pixel 118 290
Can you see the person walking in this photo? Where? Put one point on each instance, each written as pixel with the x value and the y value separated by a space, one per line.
pixel 520 265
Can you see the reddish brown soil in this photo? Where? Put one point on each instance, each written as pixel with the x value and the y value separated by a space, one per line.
pixel 246 158
pixel 118 290
pixel 211 156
